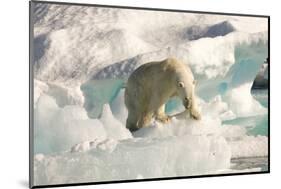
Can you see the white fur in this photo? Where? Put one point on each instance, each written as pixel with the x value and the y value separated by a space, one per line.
pixel 151 85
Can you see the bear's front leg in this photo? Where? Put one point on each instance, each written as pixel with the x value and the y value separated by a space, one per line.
pixel 161 116
pixel 194 112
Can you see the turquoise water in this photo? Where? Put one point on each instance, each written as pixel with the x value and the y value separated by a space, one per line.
pixel 262 121
pixel 99 92
pixel 261 95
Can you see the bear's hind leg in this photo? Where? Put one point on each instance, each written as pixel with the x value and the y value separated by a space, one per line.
pixel 161 116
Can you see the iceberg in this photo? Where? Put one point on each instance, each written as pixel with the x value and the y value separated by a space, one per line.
pixel 57 129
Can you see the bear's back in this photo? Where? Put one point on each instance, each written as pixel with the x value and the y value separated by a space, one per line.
pixel 158 66
pixel 159 69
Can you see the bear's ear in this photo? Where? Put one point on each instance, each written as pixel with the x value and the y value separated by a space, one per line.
pixel 195 82
pixel 181 84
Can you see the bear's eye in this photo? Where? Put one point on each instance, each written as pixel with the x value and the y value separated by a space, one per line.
pixel 181 84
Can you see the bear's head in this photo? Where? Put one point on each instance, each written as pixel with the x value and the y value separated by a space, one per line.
pixel 185 91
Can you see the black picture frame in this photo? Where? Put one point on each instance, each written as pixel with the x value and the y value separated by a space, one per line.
pixel 31 85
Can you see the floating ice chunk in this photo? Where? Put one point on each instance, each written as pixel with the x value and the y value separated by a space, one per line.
pixel 228 115
pixel 242 103
pixel 57 129
pixel 113 127
pixel 217 108
pixel 249 146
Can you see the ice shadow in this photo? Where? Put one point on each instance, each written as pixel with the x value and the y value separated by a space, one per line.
pixel 220 29
pixel 40 45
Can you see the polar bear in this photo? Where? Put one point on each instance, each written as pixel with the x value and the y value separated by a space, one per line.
pixel 151 85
